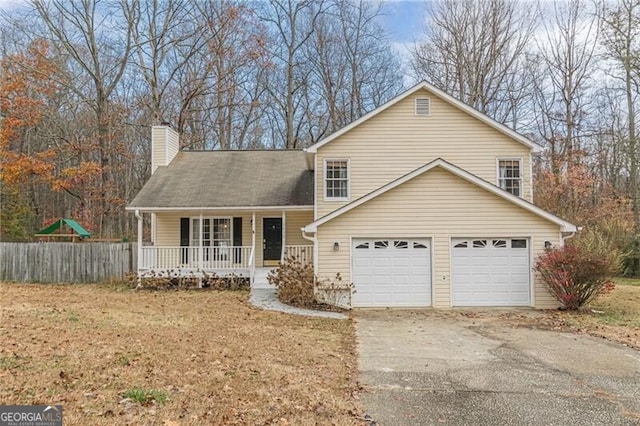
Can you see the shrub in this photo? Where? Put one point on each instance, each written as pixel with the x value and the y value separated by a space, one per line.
pixel 575 275
pixel 335 292
pixel 294 282
pixel 175 280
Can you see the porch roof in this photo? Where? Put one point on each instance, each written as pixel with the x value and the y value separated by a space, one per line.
pixel 218 179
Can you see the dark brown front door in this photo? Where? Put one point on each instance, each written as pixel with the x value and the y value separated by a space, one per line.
pixel 272 238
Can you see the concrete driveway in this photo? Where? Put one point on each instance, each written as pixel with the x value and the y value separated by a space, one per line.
pixel 426 367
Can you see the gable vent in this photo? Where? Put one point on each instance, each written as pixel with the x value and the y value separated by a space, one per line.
pixel 423 106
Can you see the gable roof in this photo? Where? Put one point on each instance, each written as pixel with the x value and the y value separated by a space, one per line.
pixel 439 162
pixel 49 230
pixel 210 180
pixel 445 97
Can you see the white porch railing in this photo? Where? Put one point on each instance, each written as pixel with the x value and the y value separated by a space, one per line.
pixel 208 258
pixel 302 253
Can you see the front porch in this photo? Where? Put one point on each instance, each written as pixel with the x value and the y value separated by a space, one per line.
pixel 197 244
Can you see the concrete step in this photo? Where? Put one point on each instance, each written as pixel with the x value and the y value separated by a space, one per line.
pixel 260 278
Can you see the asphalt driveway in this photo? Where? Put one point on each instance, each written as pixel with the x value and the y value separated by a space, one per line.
pixel 426 367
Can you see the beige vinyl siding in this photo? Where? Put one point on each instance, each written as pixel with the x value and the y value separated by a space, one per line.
pixel 168 227
pixel 158 153
pixel 440 206
pixel 295 221
pixel 165 143
pixel 396 141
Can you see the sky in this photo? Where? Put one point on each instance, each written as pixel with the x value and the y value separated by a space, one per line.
pixel 404 20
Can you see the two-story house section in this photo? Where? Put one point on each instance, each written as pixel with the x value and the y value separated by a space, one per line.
pixel 423 202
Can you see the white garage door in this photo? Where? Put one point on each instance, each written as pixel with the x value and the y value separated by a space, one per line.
pixel 391 272
pixel 490 272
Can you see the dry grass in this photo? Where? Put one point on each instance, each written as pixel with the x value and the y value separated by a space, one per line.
pixel 214 358
pixel 615 316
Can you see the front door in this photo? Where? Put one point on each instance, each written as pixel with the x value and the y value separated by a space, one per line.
pixel 272 240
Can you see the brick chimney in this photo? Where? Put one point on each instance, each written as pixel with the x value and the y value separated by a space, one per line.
pixel 165 144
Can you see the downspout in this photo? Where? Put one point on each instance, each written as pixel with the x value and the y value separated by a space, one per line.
pixel 314 240
pixel 571 235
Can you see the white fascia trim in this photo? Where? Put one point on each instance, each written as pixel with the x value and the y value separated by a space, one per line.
pixel 442 95
pixel 565 226
pixel 192 209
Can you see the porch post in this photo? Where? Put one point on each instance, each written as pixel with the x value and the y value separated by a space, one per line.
pixel 284 234
pixel 252 272
pixel 200 251
pixel 140 260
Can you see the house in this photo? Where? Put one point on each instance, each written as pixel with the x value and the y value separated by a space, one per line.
pixel 422 202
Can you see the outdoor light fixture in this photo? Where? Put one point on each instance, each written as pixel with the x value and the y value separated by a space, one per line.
pixel 547 244
pixel 336 246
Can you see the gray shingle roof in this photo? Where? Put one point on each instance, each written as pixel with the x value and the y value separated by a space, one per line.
pixel 229 179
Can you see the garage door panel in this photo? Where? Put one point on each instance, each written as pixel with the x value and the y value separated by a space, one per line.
pixel 490 272
pixel 393 272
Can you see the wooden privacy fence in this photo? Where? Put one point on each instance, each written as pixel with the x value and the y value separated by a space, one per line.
pixel 66 262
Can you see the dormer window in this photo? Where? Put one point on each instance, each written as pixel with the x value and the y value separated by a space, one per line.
pixel 510 175
pixel 336 180
pixel 423 106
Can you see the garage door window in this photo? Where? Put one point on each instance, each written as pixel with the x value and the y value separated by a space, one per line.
pixel 479 243
pixel 518 243
pixel 419 245
pixel 362 246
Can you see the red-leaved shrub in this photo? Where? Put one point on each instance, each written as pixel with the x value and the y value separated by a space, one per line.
pixel 575 275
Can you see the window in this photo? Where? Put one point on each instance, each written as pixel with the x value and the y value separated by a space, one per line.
pixel 380 244
pixel 510 176
pixel 221 232
pixel 518 243
pixel 500 243
pixel 401 244
pixel 216 236
pixel 337 179
pixel 479 243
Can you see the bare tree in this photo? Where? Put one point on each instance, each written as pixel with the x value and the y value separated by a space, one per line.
pixel 475 50
pixel 99 42
pixel 562 88
pixel 352 64
pixel 165 41
pixel 621 40
pixel 292 23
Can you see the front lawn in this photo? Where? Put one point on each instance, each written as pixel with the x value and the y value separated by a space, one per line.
pixel 614 316
pixel 116 356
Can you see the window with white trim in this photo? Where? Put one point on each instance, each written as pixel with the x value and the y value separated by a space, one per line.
pixel 336 179
pixel 216 232
pixel 510 175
